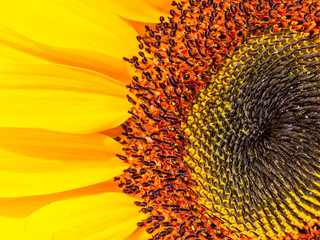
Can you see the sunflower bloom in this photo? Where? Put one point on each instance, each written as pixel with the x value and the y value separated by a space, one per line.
pixel 220 122
pixel 223 140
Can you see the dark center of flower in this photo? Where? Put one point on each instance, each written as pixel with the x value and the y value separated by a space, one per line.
pixel 223 142
pixel 254 136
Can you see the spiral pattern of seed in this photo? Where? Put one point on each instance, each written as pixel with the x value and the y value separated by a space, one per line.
pixel 254 136
pixel 206 61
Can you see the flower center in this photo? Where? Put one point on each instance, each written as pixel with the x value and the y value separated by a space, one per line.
pixel 254 139
pixel 224 135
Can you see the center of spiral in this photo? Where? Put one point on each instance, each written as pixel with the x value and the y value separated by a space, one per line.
pixel 254 139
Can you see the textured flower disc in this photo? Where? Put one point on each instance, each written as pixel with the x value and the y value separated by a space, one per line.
pixel 254 134
pixel 223 142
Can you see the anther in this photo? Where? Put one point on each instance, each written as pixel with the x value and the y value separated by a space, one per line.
pixel 174 26
pixel 172 33
pixel 316 14
pixel 275 6
pixel 149 220
pixel 179 7
pixel 136 65
pixel 190 53
pixel 270 3
pixel 270 13
pixel 159 76
pixel 128 182
pixel 310 6
pixel 140 224
pixel 290 6
pixel 202 54
pixel 259 7
pixel 151 33
pixel 131 100
pixel 123 158
pixel 248 23
pixel 146 42
pixel 158 37
pixel 226 15
pixel 181 232
pixel 166 224
pixel 126 59
pixel 196 41
pixel 232 9
pixel 186 76
pixel 171 42
pixel 201 18
pixel 226 26
pixel 156 225
pixel 191 2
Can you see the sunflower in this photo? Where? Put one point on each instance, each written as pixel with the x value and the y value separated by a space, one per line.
pixel 224 136
pixel 219 135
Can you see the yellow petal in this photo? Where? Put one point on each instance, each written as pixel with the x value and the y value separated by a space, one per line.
pixel 68 24
pixel 113 132
pixel 104 216
pixel 36 162
pixel 21 207
pixel 12 229
pixel 81 34
pixel 9 53
pixel 139 234
pixel 147 11
pixel 60 98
